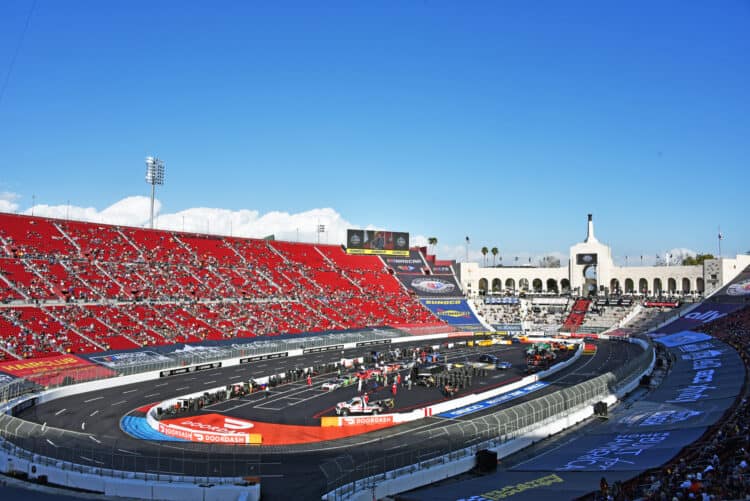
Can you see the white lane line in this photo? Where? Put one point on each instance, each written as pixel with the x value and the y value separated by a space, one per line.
pixel 150 395
pixel 159 385
pixel 83 425
pixel 129 391
pixel 94 439
pixel 92 399
pixel 129 452
pixel 183 388
pixel 120 402
pixel 86 459
pixel 51 443
pixel 60 412
pixel 215 374
pixel 209 382
pixel 94 413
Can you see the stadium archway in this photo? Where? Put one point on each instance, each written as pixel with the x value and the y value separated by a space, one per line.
pixel 537 284
pixel 552 285
pixel 565 285
pixel 497 285
pixel 658 287
pixel 671 285
pixel 643 286
pixel 614 286
pixel 589 283
pixel 699 286
pixel 523 284
pixel 686 285
pixel 510 284
pixel 629 287
pixel 483 286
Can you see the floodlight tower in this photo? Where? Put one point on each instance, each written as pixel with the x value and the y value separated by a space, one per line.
pixel 154 176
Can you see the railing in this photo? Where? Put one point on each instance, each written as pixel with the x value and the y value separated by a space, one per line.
pixel 191 356
pixel 350 473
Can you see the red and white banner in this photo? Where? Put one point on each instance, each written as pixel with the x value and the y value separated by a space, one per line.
pixel 210 428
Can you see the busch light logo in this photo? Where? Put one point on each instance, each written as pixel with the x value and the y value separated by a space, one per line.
pixel 400 242
pixel 433 285
pixel 355 240
pixel 739 289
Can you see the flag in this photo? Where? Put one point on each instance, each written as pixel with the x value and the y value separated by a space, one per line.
pixel 721 237
pixel 467 240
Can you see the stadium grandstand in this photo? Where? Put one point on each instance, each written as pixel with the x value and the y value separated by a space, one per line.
pixel 75 287
pixel 124 297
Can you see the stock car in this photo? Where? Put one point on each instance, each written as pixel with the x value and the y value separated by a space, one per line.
pixel 503 364
pixel 336 383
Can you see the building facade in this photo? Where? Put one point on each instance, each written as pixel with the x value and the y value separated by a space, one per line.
pixel 591 271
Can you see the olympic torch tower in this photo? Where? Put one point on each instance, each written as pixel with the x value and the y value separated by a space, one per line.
pixel 154 176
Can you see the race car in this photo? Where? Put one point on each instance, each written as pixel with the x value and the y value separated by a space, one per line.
pixel 334 384
pixel 503 364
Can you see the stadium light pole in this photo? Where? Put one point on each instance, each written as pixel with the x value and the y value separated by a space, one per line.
pixel 154 176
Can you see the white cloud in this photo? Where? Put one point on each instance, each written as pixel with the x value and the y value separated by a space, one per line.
pixel 8 201
pixel 134 211
pixel 302 226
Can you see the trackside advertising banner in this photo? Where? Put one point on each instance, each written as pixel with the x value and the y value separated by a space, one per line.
pixel 454 312
pixel 703 314
pixel 54 370
pixel 410 264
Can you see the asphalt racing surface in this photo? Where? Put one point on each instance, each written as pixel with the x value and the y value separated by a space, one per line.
pixel 307 470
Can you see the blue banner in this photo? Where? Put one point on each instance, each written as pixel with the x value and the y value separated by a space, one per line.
pixel 498 400
pixel 453 311
pixel 703 314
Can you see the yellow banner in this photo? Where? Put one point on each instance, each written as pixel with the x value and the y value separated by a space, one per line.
pixel 380 252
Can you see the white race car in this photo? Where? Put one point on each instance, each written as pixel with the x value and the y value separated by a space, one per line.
pixel 333 384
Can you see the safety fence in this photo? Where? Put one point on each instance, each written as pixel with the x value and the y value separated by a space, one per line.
pixel 130 363
pixel 447 442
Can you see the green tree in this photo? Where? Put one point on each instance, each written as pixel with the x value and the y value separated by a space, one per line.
pixel 432 242
pixel 485 250
pixel 696 260
pixel 495 251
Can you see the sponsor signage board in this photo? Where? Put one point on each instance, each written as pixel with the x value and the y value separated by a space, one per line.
pixel 442 269
pixel 373 343
pixel 586 259
pixel 211 428
pixel 498 400
pixel 501 300
pixel 411 264
pixel 737 289
pixel 452 311
pixel 680 338
pixel 337 347
pixel 432 286
pixel 55 370
pixel 390 243
pixel 258 358
pixel 508 327
pixel 365 420
pixel 703 314
pixel 194 368
pixel 128 359
pixel 661 304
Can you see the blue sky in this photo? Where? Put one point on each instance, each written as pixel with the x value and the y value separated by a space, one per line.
pixel 504 121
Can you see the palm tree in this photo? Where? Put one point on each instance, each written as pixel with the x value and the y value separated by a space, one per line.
pixel 432 242
pixel 485 250
pixel 495 251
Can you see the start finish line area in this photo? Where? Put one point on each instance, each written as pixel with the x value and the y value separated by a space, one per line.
pixel 300 412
